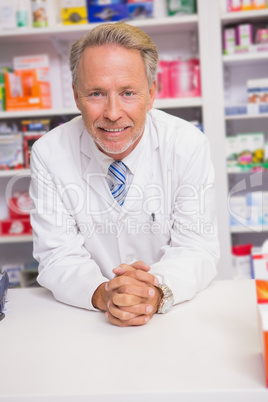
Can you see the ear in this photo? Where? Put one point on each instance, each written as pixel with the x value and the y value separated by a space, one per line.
pixel 152 92
pixel 76 98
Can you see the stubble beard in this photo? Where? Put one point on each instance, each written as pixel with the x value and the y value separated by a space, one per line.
pixel 113 149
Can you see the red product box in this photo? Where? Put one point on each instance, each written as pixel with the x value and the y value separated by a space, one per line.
pixel 28 141
pixel 15 227
pixel 20 205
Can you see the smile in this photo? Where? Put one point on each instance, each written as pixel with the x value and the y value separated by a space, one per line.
pixel 114 130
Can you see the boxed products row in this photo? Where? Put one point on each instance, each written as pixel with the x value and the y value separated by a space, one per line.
pixel 245 5
pixel 26 86
pixel 36 13
pixel 178 78
pixel 246 152
pixel 250 209
pixel 257 90
pixel 245 38
pixel 15 145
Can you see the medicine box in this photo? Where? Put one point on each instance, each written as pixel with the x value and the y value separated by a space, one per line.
pixel 11 154
pixel 74 12
pixel 238 210
pixel 112 12
pixel 231 153
pixel 254 208
pixel 15 227
pixel 181 7
pixel 28 87
pixel 244 35
pixel 140 9
pixel 229 40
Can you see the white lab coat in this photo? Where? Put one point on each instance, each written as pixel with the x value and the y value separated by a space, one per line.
pixel 168 219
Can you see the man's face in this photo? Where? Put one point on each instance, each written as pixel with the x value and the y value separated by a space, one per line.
pixel 113 96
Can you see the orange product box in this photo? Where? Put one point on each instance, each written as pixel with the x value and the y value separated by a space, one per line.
pixel 28 87
pixel 15 227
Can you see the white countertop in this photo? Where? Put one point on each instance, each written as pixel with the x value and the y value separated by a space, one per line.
pixel 204 350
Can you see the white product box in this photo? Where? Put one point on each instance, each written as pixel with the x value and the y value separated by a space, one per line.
pixel 229 40
pixel 231 153
pixel 254 208
pixel 238 210
pixel 8 14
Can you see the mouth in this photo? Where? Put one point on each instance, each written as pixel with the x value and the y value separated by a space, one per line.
pixel 113 130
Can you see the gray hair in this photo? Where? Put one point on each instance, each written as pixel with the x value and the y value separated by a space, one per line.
pixel 120 34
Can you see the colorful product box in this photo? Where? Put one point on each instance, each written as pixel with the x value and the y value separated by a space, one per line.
pixel 15 227
pixel 244 35
pixel 29 86
pixel 140 10
pixel 11 155
pixel 231 153
pixel 20 205
pixel 74 12
pixel 113 12
pixel 29 139
pixel 181 7
pixel 229 40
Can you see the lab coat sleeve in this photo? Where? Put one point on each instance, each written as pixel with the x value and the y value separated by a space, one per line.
pixel 189 261
pixel 65 266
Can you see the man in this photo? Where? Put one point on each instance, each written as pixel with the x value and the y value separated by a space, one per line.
pixel 125 214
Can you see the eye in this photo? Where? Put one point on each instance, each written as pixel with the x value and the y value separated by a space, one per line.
pixel 95 94
pixel 128 93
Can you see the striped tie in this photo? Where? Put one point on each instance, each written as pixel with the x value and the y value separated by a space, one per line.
pixel 118 173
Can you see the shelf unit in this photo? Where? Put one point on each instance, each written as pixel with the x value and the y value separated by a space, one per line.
pixel 181 35
pixel 237 68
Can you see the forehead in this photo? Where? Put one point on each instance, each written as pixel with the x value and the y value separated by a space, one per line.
pixel 111 61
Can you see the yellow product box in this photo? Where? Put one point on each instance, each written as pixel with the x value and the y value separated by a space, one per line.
pixel 74 12
pixel 28 87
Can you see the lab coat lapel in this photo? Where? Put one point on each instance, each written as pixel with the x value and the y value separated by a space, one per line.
pixel 93 174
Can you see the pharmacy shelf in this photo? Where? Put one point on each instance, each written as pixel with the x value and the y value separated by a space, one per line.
pixel 247 116
pixel 249 229
pixel 150 25
pixel 248 57
pixel 244 15
pixel 158 104
pixel 178 103
pixel 16 239
pixel 14 172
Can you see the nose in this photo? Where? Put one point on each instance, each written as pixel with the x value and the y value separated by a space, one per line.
pixel 112 110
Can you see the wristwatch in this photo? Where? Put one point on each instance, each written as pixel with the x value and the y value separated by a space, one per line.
pixel 167 300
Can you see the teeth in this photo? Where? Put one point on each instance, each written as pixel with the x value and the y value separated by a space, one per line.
pixel 114 130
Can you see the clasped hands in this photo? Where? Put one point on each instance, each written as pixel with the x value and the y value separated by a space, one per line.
pixel 131 297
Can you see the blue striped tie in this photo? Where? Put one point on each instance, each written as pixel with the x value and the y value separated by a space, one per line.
pixel 118 173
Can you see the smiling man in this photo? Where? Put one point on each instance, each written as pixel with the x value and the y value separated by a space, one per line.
pixel 124 218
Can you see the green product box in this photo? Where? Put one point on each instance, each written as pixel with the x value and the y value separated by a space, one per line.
pixel 181 7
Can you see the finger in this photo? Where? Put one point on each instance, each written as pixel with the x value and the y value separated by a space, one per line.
pixel 119 314
pixel 139 309
pixel 142 276
pixel 123 299
pixel 124 281
pixel 123 268
pixel 139 320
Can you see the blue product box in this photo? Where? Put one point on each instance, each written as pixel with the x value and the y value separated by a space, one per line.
pixel 263 107
pixel 140 10
pixel 113 12
pixel 232 110
pixel 105 2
